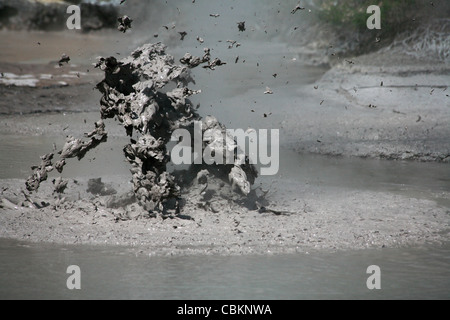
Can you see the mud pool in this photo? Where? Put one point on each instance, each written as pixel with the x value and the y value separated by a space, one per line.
pixel 31 271
pixel 409 178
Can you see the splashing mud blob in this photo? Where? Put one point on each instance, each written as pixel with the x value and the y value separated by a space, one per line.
pixel 135 92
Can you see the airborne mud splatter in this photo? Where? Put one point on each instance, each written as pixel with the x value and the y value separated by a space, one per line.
pixel 124 23
pixel 134 92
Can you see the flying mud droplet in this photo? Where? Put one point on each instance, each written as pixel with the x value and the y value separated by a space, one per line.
pixel 124 23
pixel 241 26
pixel 233 43
pixel 64 59
pixel 213 64
pixel 268 91
pixel 183 34
pixel 297 8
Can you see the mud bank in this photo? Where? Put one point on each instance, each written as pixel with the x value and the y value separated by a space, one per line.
pixel 381 105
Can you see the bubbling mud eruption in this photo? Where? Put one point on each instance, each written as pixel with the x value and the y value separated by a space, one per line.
pixel 148 94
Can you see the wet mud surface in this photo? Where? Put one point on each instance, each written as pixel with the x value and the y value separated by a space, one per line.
pixel 381 110
pixel 37 88
pixel 362 107
pixel 307 218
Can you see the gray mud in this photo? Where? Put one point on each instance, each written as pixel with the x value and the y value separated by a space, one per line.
pixel 302 214
pixel 378 106
pixel 307 219
pixel 134 93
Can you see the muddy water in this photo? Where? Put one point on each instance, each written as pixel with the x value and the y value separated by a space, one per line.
pixel 408 178
pixel 29 271
pixel 20 153
pixel 32 271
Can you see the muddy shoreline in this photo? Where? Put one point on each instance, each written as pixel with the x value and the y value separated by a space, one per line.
pixel 326 219
pixel 380 106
